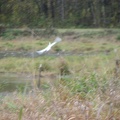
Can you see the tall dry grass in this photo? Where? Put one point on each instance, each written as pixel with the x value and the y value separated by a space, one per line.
pixel 66 101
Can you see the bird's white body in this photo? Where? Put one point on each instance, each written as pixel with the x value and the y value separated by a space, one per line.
pixel 49 46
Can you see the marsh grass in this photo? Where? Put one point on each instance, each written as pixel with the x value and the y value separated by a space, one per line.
pixel 94 42
pixel 89 93
pixel 118 38
pixel 88 89
pixel 60 103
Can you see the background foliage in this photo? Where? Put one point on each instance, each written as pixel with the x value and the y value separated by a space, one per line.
pixel 60 13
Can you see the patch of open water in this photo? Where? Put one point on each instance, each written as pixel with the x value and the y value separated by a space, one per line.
pixel 10 82
pixel 4 54
pixel 23 82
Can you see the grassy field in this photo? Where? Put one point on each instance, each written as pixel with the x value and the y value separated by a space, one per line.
pixel 87 87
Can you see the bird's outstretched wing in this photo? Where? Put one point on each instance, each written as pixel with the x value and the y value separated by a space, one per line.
pixel 56 41
pixel 44 50
pixel 49 46
pixel 41 51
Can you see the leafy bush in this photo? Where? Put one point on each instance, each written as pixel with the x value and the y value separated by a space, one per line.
pixel 63 67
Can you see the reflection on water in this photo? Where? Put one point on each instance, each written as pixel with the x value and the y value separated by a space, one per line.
pixel 12 82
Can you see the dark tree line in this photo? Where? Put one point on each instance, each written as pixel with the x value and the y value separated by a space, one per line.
pixel 60 13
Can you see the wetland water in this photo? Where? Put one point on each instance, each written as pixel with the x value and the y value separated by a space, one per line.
pixel 4 54
pixel 10 82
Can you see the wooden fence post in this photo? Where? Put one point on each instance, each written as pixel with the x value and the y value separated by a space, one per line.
pixel 117 68
pixel 39 76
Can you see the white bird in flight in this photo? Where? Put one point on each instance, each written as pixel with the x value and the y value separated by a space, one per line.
pixel 49 46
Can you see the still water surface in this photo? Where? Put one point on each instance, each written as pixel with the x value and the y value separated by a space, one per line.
pixel 10 82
